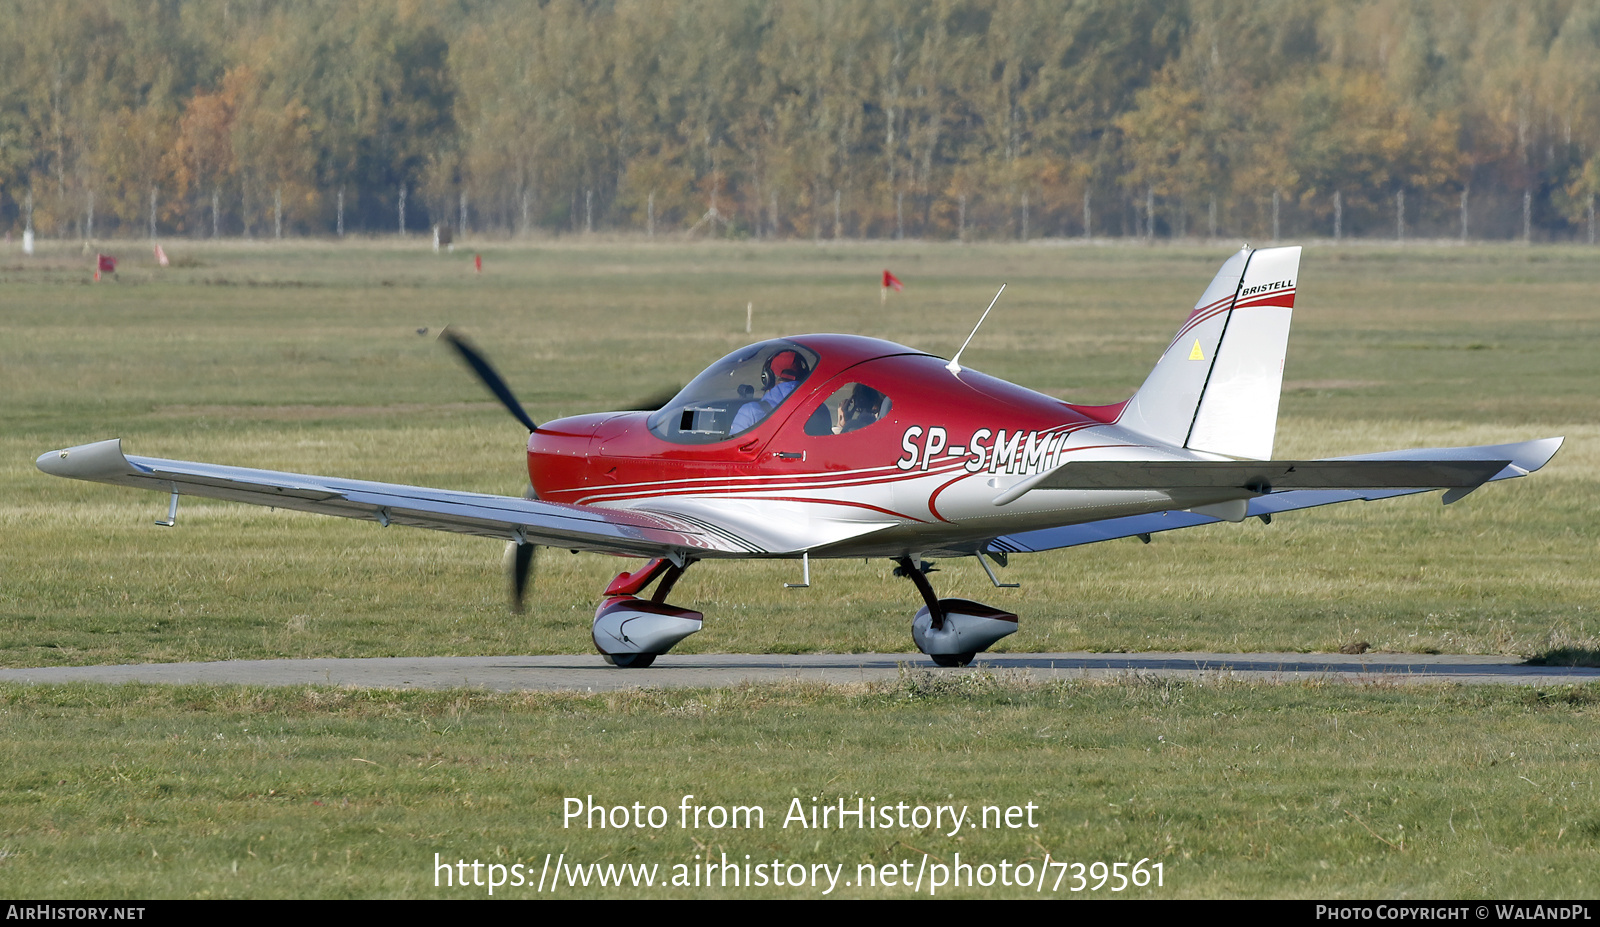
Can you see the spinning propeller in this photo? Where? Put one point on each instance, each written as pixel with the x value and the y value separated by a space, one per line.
pixel 491 378
pixel 519 557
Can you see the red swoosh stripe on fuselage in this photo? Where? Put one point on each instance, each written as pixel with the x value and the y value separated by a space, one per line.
pixel 759 492
pixel 781 482
pixel 738 485
pixel 720 481
pixel 842 502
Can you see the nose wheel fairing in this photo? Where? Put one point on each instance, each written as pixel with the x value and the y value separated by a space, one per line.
pixel 631 632
pixel 626 628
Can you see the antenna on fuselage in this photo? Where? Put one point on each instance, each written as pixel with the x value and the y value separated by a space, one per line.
pixel 955 362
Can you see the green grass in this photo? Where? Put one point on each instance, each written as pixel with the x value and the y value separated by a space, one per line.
pixel 304 356
pixel 1313 791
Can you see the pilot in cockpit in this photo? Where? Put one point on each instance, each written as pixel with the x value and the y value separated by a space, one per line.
pixel 782 372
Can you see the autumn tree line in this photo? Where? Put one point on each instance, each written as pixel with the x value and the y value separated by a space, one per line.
pixel 976 119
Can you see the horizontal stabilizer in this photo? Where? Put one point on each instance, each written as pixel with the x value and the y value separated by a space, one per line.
pixel 1525 457
pixel 1260 476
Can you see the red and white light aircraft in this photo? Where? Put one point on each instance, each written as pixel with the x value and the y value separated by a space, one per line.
pixel 842 446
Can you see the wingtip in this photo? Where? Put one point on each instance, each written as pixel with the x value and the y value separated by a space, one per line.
pixel 1535 454
pixel 86 461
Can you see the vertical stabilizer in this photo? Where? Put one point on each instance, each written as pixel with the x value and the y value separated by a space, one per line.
pixel 1216 387
pixel 1238 413
pixel 1164 407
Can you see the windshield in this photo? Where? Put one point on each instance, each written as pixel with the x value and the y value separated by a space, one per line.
pixel 735 394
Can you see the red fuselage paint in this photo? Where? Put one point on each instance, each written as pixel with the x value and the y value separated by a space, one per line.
pixel 938 421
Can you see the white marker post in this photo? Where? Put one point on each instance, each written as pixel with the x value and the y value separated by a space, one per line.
pixel 749 316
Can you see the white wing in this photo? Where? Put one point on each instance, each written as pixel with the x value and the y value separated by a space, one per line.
pixel 505 517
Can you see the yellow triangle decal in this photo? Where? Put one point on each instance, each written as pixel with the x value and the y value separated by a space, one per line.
pixel 1197 354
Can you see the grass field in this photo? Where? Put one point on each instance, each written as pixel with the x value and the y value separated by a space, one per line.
pixel 305 356
pixel 1237 791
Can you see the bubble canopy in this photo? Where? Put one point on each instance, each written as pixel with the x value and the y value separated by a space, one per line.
pixel 736 393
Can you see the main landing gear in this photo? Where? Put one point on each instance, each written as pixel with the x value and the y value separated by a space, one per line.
pixel 631 632
pixel 952 631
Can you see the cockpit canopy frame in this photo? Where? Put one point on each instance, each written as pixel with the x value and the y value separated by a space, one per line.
pixel 706 411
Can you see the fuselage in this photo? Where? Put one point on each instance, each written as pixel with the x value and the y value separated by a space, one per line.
pixel 916 473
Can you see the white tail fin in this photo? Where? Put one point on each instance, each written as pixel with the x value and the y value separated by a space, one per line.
pixel 1216 387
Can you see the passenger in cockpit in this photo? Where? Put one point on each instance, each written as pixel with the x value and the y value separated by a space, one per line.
pixel 863 407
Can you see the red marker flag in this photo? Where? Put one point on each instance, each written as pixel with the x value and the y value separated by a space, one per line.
pixel 890 280
pixel 477 263
pixel 161 256
pixel 105 263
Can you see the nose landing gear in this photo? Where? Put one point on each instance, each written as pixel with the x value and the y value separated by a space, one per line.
pixel 631 632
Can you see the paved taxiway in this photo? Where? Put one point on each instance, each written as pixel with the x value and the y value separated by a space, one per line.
pixel 587 672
